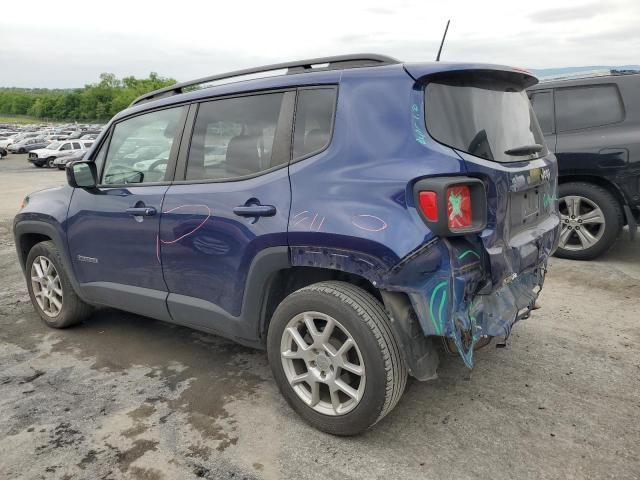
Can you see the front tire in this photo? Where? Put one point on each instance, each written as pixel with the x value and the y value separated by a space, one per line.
pixel 51 292
pixel 50 163
pixel 22 150
pixel 591 219
pixel 335 358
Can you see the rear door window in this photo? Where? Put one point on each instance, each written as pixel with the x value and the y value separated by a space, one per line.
pixel 236 137
pixel 586 107
pixel 314 120
pixel 542 103
pixel 485 115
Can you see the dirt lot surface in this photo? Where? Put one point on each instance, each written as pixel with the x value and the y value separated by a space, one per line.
pixel 122 396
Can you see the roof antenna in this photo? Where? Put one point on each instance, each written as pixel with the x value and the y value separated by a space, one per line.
pixel 442 42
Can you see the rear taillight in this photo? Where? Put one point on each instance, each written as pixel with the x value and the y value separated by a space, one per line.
pixel 452 205
pixel 429 205
pixel 459 207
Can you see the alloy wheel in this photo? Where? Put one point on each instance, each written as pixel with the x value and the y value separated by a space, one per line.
pixel 46 285
pixel 583 223
pixel 322 363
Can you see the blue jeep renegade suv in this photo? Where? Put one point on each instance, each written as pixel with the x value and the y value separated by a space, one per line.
pixel 345 215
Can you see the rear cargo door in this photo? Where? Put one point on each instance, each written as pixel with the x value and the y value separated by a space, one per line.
pixel 486 117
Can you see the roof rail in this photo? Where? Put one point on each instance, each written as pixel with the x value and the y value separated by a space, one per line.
pixel 332 63
pixel 586 74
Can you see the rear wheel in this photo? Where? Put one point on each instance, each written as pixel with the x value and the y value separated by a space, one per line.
pixel 334 357
pixel 591 220
pixel 51 292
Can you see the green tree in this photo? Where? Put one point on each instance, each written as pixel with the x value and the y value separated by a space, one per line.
pixel 97 101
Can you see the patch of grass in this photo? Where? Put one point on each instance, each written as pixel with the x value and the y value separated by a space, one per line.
pixel 21 119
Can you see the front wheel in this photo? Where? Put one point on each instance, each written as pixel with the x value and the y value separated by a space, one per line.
pixel 51 292
pixel 22 150
pixel 335 358
pixel 591 220
pixel 50 163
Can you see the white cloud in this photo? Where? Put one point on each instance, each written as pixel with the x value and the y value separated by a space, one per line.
pixel 43 44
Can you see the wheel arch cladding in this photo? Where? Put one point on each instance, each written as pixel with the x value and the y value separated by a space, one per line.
pixel 26 242
pixel 28 233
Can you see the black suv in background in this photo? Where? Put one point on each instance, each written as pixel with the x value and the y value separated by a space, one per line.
pixel 593 126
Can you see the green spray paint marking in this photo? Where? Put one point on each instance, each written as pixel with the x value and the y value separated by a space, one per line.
pixel 468 252
pixel 547 200
pixel 438 324
pixel 421 138
pixel 456 205
pixel 442 302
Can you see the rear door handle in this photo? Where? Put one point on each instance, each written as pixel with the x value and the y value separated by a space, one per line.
pixel 141 211
pixel 255 210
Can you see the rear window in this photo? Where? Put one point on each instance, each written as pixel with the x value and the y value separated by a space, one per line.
pixel 585 107
pixel 483 115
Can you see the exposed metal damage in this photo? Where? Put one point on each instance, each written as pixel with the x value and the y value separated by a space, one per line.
pixel 466 289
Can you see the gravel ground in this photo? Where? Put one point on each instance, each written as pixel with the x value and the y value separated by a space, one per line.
pixel 121 396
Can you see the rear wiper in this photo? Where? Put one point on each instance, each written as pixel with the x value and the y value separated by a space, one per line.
pixel 524 150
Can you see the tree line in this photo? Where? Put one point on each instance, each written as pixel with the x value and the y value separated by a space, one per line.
pixel 98 101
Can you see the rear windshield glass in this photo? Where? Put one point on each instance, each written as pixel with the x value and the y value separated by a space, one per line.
pixel 487 117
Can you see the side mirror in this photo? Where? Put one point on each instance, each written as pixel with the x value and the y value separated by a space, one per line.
pixel 82 174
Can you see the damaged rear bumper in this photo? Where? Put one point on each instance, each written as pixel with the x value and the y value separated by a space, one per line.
pixel 466 292
pixel 457 288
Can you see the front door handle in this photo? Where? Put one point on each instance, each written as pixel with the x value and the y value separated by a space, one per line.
pixel 255 210
pixel 141 211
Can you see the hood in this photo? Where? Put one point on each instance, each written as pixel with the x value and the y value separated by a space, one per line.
pixel 46 151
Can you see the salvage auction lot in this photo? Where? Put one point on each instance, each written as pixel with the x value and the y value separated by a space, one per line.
pixel 121 396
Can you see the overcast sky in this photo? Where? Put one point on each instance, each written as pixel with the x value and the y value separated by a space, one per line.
pixel 69 43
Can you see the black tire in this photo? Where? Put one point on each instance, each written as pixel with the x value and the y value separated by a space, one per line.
pixel 22 150
pixel 61 167
pixel 73 310
pixel 50 162
pixel 612 212
pixel 38 164
pixel 367 322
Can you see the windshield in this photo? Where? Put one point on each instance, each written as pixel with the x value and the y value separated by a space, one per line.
pixel 484 115
pixel 53 146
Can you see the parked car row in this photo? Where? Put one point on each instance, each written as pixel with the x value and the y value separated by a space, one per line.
pixel 26 145
pixel 48 145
